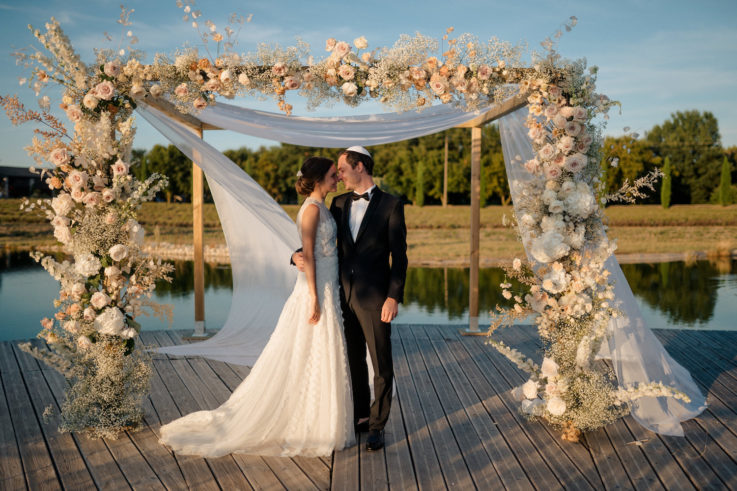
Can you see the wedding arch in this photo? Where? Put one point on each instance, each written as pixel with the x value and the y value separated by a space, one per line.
pixel 547 109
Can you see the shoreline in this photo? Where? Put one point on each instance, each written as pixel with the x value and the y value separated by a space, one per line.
pixel 219 255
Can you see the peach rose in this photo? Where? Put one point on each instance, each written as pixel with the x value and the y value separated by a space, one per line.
pixel 279 69
pixel 341 49
pixel 105 90
pixel 330 44
pixel 346 72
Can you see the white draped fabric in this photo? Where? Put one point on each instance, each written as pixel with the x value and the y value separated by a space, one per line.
pixel 261 237
pixel 637 355
pixel 336 132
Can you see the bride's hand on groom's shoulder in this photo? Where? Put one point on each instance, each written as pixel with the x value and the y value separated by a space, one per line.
pixel 299 261
pixel 314 310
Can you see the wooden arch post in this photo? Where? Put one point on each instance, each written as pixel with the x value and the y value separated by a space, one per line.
pixel 198 240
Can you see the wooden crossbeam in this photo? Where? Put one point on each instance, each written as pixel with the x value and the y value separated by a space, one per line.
pixel 506 107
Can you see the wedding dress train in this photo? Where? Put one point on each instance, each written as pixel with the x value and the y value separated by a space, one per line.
pixel 297 399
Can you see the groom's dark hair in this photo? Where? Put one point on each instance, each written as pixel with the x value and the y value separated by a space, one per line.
pixel 353 158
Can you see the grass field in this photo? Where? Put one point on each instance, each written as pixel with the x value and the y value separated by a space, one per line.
pixel 439 235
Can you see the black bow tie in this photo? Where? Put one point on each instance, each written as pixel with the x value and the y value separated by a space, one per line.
pixel 365 196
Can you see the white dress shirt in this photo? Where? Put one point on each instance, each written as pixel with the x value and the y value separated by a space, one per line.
pixel 358 210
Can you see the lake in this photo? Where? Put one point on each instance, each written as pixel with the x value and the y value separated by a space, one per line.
pixel 698 295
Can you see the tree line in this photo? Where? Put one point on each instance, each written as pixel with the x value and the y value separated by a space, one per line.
pixel 688 145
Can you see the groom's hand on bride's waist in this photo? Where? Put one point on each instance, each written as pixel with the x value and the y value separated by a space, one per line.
pixel 389 310
pixel 298 260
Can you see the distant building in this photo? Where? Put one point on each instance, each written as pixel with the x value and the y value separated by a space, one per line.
pixel 19 182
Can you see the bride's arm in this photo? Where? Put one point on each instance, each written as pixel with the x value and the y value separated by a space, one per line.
pixel 310 220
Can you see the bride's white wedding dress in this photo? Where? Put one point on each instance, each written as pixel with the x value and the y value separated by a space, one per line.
pixel 297 399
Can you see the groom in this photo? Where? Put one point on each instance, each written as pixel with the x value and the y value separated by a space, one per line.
pixel 371 230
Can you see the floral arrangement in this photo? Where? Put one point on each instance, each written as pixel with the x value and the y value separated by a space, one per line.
pixel 561 223
pixel 106 280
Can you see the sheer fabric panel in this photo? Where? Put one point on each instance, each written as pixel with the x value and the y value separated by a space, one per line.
pixel 637 355
pixel 260 237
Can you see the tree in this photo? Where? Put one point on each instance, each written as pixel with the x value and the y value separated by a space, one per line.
pixel 725 184
pixel 691 140
pixel 666 187
pixel 172 163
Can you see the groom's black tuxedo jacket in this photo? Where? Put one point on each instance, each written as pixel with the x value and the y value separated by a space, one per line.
pixel 367 276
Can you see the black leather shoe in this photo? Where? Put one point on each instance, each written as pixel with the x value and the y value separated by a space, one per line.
pixel 375 440
pixel 361 427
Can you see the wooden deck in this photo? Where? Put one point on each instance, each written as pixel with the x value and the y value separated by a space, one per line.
pixel 453 425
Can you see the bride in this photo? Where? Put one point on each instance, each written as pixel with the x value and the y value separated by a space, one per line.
pixel 297 398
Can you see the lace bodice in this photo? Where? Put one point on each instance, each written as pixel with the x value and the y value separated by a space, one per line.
pixel 327 231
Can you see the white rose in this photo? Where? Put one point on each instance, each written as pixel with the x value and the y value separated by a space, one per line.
pixel 87 265
pixel 555 281
pixel 549 368
pixel 83 342
pixel 78 178
pixel 78 194
pixel 551 171
pixel 346 72
pixel 89 314
pixel 110 322
pixel 549 247
pixel 59 156
pixel 90 101
pixel 108 195
pixel 60 221
pixel 530 389
pixel 573 128
pixel 63 235
pixel 156 90
pixel 547 152
pixel 360 43
pixel 484 72
pixel 279 69
pixel 556 206
pixel 566 144
pixel 330 44
pixel 112 271
pixel 516 264
pixel 112 69
pixel 137 91
pixel 576 162
pixel 341 49
pixel 226 76
pixel 559 120
pixel 78 289
pixel 74 113
pixel 104 90
pixel 349 89
pixel 181 90
pixel 99 300
pixel 292 83
pixel 556 406
pixel 92 199
pixel 120 168
pixel 128 333
pixel 244 80
pixel 579 113
pixel 118 252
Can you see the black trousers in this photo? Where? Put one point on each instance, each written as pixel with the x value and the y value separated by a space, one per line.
pixel 364 328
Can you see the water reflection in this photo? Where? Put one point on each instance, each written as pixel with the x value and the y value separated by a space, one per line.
pixel 702 294
pixel 685 293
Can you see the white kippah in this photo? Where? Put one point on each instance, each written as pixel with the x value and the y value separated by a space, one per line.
pixel 358 149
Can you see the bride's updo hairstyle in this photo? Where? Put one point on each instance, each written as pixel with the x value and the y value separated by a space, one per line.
pixel 313 171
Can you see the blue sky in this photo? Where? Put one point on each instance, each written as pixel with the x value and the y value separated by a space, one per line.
pixel 656 57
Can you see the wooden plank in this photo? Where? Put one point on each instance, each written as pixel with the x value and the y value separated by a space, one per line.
pixel 289 473
pixel 316 470
pixel 105 471
pixel 425 461
pixel 69 463
pixel 454 468
pixel 478 461
pixel 372 473
pixel 535 446
pixel 195 470
pixel 502 458
pixel 399 468
pixel 345 469
pixel 37 462
pixel 11 466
